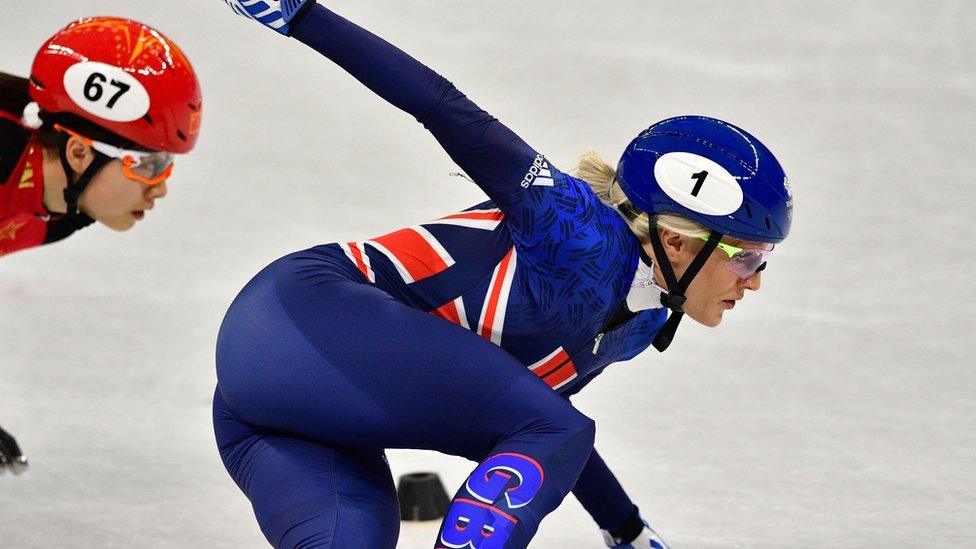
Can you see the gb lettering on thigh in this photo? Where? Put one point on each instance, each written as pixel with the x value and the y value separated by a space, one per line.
pixel 501 485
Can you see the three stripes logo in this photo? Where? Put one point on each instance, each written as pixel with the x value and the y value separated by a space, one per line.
pixel 539 173
pixel 271 13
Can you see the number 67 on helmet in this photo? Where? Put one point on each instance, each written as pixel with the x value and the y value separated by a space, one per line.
pixel 123 76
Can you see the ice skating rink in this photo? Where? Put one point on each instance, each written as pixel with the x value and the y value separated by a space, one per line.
pixel 835 408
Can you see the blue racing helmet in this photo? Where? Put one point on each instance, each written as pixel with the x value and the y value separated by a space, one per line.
pixel 712 172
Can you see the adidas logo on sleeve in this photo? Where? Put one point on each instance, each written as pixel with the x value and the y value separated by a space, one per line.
pixel 539 173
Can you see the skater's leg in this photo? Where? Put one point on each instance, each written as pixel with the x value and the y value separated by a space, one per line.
pixel 307 351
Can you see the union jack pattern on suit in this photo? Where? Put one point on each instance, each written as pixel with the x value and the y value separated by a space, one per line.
pixel 475 269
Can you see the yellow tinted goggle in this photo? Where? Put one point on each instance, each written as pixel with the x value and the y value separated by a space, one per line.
pixel 744 262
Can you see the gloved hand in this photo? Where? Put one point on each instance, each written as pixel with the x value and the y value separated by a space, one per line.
pixel 274 14
pixel 636 533
pixel 11 458
pixel 648 539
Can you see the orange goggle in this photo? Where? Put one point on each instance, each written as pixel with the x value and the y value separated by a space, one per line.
pixel 146 167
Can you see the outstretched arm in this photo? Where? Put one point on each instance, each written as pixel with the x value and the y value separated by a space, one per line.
pixel 490 153
pixel 542 206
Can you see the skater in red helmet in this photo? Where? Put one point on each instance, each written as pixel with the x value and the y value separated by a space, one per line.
pixel 91 134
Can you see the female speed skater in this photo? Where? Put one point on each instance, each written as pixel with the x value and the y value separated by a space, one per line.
pixel 117 100
pixel 90 136
pixel 467 334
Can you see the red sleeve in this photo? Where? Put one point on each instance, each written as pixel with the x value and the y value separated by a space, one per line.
pixel 21 231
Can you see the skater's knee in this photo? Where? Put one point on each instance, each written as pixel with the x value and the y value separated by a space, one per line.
pixel 559 425
pixel 582 434
pixel 573 423
pixel 573 435
pixel 587 429
pixel 567 429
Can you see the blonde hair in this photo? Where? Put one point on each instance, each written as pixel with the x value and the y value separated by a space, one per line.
pixel 602 178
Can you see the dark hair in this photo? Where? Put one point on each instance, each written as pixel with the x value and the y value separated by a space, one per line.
pixel 14 97
pixel 13 93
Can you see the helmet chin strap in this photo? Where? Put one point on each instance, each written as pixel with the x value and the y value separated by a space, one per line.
pixel 675 298
pixel 75 218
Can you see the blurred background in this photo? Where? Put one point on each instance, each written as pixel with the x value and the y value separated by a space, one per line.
pixel 833 408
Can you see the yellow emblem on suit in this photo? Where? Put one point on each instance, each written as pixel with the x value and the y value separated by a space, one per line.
pixel 10 231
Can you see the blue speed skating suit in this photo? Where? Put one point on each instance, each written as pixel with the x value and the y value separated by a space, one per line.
pixel 464 334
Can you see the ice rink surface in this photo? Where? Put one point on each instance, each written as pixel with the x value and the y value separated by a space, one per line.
pixel 835 408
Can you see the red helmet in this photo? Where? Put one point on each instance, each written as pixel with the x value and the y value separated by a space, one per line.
pixel 124 76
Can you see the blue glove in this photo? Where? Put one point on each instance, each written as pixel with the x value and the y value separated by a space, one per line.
pixel 274 14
